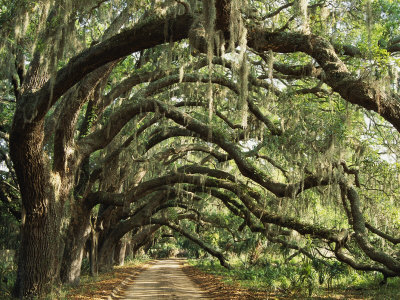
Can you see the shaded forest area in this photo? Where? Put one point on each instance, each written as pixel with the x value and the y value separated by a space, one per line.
pixel 261 134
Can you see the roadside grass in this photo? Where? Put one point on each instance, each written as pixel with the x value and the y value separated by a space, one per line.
pixel 301 280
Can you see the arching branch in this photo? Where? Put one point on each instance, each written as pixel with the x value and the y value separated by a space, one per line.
pixel 199 242
pixel 354 90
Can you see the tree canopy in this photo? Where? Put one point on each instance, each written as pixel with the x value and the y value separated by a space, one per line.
pixel 214 119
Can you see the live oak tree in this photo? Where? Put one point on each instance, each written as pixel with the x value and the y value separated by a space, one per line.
pixel 140 115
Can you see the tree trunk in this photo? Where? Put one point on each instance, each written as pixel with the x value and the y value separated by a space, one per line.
pixel 128 250
pixel 119 253
pixel 41 213
pixel 106 257
pixel 77 235
pixel 93 256
pixel 38 256
pixel 107 249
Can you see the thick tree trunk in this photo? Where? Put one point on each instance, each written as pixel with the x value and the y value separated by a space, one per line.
pixel 119 253
pixel 106 257
pixel 41 215
pixel 106 251
pixel 38 256
pixel 77 235
pixel 105 254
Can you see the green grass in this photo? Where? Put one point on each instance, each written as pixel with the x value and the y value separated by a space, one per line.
pixel 304 278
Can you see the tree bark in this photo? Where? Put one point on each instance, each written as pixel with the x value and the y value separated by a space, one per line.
pixel 143 237
pixel 119 254
pixel 78 232
pixel 93 254
pixel 41 217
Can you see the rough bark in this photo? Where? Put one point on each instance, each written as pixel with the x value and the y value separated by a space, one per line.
pixel 41 218
pixel 78 232
pixel 120 252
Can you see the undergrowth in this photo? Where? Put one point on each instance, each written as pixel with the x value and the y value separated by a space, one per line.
pixel 305 278
pixel 8 274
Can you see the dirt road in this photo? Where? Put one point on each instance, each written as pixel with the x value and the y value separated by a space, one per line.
pixel 163 280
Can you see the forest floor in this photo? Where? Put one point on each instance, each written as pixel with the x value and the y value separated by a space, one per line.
pixel 138 281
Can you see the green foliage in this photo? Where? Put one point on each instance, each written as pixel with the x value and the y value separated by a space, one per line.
pixel 302 277
pixel 8 274
pixel 9 229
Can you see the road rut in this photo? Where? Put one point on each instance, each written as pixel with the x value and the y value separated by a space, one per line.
pixel 163 280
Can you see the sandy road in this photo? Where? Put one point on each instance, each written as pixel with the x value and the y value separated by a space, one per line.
pixel 163 280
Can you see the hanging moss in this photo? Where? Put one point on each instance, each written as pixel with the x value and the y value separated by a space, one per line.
pixel 234 25
pixel 369 21
pixel 210 108
pixel 209 25
pixel 301 11
pixel 244 74
pixel 324 15
pixel 238 36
